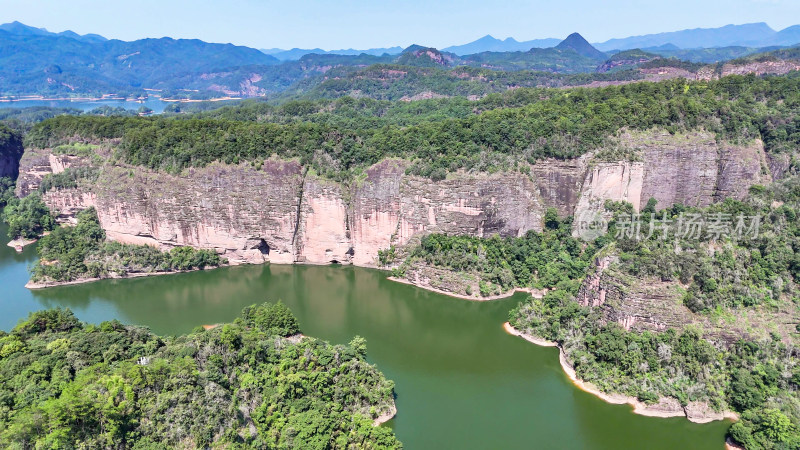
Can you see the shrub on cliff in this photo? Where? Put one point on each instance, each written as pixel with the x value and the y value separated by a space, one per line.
pixel 68 178
pixel 6 191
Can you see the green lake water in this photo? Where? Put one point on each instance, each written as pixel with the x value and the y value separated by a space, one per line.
pixel 461 381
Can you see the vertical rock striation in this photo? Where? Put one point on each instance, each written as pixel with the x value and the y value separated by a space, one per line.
pixel 279 212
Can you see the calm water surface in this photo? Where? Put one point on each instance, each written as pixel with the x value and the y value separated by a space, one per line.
pixel 461 381
pixel 154 103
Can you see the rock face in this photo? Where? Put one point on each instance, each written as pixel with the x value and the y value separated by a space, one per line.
pixel 707 171
pixel 692 169
pixel 777 67
pixel 279 212
pixel 651 305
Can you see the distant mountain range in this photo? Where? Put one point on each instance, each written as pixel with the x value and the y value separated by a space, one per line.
pixel 491 44
pixel 34 61
pixel 746 35
pixel 577 43
pixel 297 53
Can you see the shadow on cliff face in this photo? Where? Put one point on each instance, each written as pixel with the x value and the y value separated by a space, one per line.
pixel 10 152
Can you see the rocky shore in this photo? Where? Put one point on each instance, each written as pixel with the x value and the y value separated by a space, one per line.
pixel 33 285
pixel 534 292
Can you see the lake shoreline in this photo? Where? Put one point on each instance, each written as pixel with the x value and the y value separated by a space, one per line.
pixel 665 407
pixel 41 98
pixel 33 285
pixel 508 294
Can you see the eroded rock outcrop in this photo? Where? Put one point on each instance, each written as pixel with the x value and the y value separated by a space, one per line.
pixel 651 305
pixel 279 212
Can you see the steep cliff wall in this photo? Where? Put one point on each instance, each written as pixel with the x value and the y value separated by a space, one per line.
pixel 691 168
pixel 280 213
pixel 706 170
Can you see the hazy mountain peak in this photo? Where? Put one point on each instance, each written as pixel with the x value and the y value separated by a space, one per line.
pixel 20 29
pixel 414 48
pixel 490 43
pixel 580 45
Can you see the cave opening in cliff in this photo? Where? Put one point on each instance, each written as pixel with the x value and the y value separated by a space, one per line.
pixel 263 247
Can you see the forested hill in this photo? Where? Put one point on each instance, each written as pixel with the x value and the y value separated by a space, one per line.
pixel 339 139
pixel 56 64
pixel 254 383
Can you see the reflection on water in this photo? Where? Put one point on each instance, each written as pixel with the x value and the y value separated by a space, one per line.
pixel 461 381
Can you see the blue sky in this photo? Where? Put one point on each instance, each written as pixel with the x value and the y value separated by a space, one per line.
pixel 382 23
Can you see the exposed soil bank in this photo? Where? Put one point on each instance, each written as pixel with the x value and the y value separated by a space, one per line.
pixel 20 243
pixel 666 407
pixel 531 291
pixel 383 418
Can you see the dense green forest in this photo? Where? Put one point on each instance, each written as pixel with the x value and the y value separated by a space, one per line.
pixel 70 253
pixel 398 82
pixel 540 123
pixel 253 383
pixel 6 192
pixel 749 365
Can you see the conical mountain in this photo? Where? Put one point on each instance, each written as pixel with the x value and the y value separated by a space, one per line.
pixel 576 42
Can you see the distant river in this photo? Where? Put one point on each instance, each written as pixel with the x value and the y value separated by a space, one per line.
pixel 461 381
pixel 156 104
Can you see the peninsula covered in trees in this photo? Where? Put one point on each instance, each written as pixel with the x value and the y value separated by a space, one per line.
pixel 253 383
